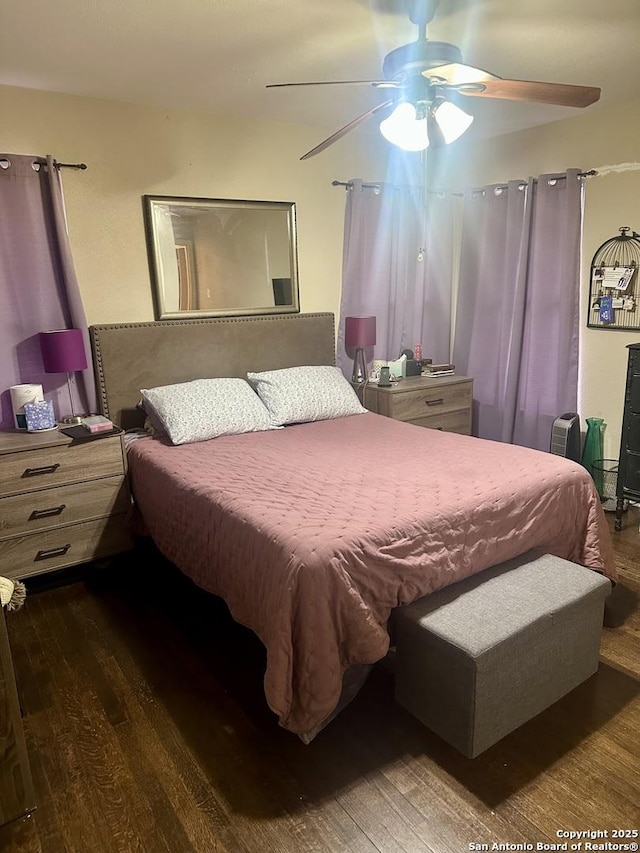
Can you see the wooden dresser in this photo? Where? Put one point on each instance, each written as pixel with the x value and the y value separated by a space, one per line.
pixel 442 402
pixel 16 787
pixel 62 501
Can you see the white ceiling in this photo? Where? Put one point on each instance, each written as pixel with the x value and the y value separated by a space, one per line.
pixel 218 55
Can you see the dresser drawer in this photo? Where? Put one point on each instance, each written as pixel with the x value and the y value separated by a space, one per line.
pixel 458 421
pixel 34 511
pixel 29 470
pixel 48 550
pixel 418 404
pixel 16 787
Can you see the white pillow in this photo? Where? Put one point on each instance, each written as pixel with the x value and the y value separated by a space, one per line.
pixel 300 394
pixel 206 408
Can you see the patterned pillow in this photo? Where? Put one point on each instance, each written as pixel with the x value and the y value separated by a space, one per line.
pixel 299 394
pixel 206 408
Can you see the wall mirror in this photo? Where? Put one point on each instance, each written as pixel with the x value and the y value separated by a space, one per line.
pixel 220 257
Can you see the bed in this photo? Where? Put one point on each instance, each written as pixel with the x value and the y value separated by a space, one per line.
pixel 313 533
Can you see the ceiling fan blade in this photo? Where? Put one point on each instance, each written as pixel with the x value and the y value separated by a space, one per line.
pixel 344 130
pixel 482 83
pixel 560 94
pixel 332 83
pixel 456 73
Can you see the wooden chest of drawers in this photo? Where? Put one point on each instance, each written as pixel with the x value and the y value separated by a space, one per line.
pixel 437 403
pixel 16 785
pixel 62 501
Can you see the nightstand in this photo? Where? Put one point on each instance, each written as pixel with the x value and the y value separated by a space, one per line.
pixel 62 501
pixel 16 787
pixel 441 402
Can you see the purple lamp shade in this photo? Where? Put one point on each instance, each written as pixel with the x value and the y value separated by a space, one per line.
pixel 63 351
pixel 360 332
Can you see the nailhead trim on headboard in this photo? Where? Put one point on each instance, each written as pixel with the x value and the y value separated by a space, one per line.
pixel 286 321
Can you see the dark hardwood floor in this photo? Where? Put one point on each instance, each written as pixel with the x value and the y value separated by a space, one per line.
pixel 147 730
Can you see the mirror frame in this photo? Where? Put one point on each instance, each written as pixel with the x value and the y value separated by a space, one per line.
pixel 185 250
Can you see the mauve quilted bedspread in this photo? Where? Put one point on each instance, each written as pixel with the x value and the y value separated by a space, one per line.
pixel 313 533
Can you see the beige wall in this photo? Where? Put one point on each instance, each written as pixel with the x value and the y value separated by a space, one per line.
pixel 131 151
pixel 593 139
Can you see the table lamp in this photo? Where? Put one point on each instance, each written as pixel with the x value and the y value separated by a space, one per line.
pixel 359 332
pixel 63 352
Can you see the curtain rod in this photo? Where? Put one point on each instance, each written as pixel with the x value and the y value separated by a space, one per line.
pixel 40 161
pixel 589 174
pixel 81 166
pixel 349 184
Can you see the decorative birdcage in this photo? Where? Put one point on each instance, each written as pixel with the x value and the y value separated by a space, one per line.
pixel 614 297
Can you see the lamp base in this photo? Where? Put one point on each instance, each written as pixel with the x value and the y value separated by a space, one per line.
pixel 359 374
pixel 70 420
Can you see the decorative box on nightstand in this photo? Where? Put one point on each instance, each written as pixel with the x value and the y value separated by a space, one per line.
pixel 62 501
pixel 443 402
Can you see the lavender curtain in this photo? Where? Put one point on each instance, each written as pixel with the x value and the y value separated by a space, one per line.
pixel 517 313
pixel 38 286
pixel 397 266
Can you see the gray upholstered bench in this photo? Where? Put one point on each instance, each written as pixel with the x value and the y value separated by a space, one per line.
pixel 476 660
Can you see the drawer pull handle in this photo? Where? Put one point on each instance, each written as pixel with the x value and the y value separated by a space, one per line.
pixel 437 402
pixel 45 469
pixel 52 552
pixel 47 513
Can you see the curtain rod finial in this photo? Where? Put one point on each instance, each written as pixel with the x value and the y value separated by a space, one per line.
pixel 81 166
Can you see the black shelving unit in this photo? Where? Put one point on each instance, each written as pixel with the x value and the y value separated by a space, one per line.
pixel 628 487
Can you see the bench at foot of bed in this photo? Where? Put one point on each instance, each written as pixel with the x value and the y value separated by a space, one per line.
pixel 478 659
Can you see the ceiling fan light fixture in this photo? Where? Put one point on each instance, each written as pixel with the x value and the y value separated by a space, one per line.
pixel 423 73
pixel 404 129
pixel 452 121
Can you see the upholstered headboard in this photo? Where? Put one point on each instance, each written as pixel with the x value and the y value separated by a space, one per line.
pixel 131 356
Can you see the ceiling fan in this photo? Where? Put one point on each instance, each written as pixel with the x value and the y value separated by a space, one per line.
pixel 422 77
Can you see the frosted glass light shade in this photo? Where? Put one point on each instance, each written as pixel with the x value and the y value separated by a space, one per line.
pixel 403 129
pixel 451 120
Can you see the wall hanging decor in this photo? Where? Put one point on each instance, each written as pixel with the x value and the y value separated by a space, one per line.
pixel 614 294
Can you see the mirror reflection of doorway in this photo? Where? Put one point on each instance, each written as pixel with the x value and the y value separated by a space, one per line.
pixel 187 291
pixel 282 291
